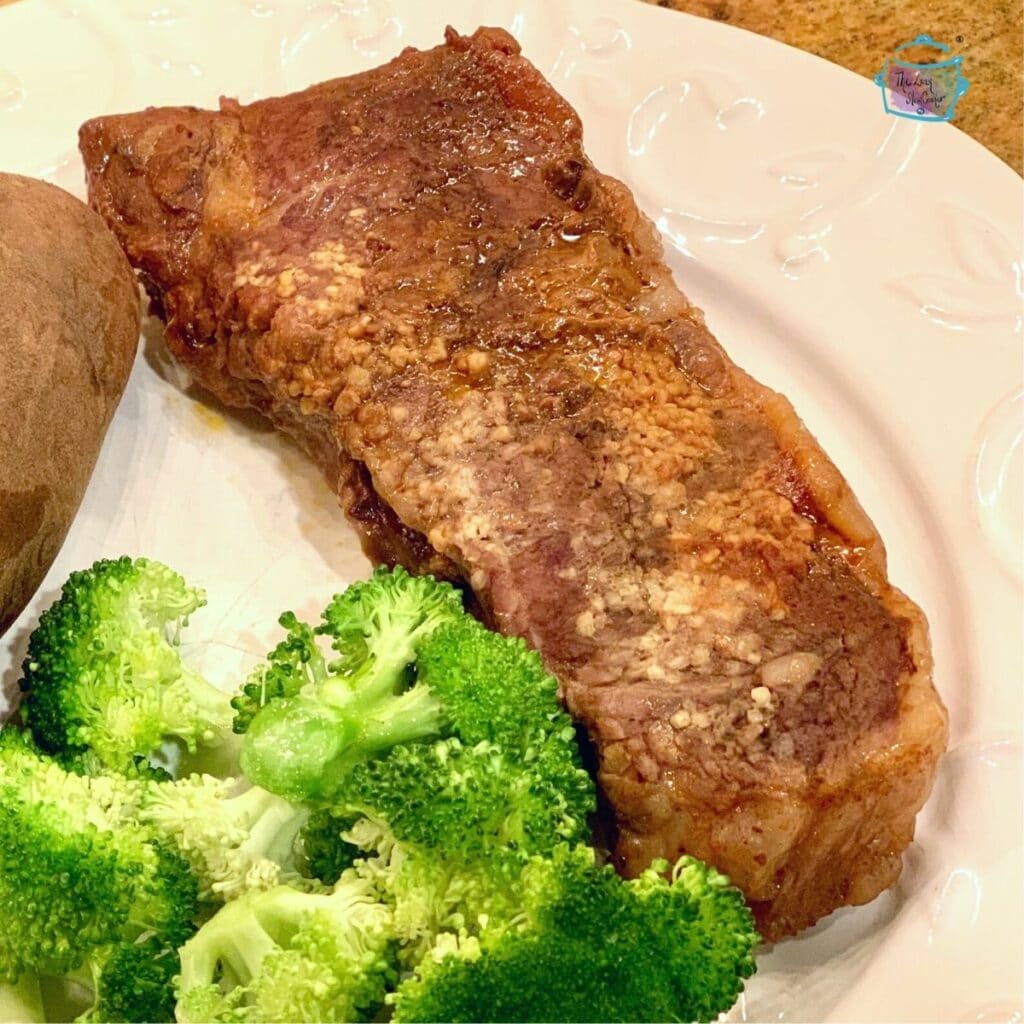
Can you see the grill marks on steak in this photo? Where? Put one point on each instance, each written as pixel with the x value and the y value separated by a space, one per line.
pixel 417 273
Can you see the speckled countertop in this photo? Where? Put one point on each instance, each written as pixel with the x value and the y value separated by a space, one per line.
pixel 989 34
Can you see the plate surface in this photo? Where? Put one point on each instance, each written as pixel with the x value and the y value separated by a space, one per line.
pixel 866 266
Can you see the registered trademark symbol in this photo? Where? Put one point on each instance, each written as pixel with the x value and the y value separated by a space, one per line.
pixel 959 39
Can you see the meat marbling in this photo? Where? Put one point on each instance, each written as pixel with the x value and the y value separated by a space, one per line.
pixel 417 273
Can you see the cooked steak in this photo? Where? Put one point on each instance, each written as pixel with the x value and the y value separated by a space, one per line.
pixel 417 273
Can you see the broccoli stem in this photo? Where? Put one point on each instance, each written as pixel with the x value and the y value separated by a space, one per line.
pixel 324 743
pixel 220 760
pixel 242 934
pixel 380 676
pixel 75 989
pixel 214 704
pixel 414 715
pixel 227 942
pixel 278 823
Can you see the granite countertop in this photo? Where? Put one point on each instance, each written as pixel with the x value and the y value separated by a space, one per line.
pixel 989 34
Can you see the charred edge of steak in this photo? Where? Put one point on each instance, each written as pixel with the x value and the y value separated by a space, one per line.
pixel 384 537
pixel 386 540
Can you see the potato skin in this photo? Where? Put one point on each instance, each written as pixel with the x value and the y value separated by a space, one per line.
pixel 69 328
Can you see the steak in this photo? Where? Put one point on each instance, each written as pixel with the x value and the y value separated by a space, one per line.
pixel 417 273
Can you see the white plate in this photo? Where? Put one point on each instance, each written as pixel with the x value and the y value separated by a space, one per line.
pixel 866 266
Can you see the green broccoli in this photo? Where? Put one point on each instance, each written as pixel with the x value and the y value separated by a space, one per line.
pixel 587 945
pixel 494 688
pixel 103 677
pixel 446 828
pixel 318 719
pixel 413 666
pixel 77 874
pixel 450 796
pixel 441 824
pixel 233 843
pixel 434 895
pixel 126 982
pixel 324 852
pixel 285 955
pixel 132 981
pixel 294 663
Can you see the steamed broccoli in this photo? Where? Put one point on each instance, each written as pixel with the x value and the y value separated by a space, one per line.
pixel 103 677
pixel 446 828
pixel 325 853
pixel 233 843
pixel 132 981
pixel 480 797
pixel 455 796
pixel 128 981
pixel 419 811
pixel 439 783
pixel 294 663
pixel 77 874
pixel 285 955
pixel 320 718
pixel 435 895
pixel 587 945
pixel 412 666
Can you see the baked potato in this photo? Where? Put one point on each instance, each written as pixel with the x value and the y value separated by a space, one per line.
pixel 69 328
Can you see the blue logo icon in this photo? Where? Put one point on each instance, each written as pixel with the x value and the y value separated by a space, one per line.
pixel 922 92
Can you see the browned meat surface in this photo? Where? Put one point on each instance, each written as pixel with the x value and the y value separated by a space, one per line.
pixel 417 272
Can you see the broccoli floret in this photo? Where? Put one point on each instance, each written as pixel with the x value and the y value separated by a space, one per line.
pixel 448 824
pixel 317 721
pixel 103 674
pixel 587 946
pixel 467 802
pixel 412 667
pixel 233 843
pixel 288 955
pixel 325 852
pixel 126 982
pixel 375 626
pixel 447 819
pixel 494 688
pixel 294 663
pixel 435 895
pixel 133 982
pixel 76 872
pixel 447 828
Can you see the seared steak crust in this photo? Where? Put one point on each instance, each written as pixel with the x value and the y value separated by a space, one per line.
pixel 417 272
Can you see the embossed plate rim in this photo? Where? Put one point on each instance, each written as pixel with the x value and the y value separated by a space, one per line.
pixel 841 317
